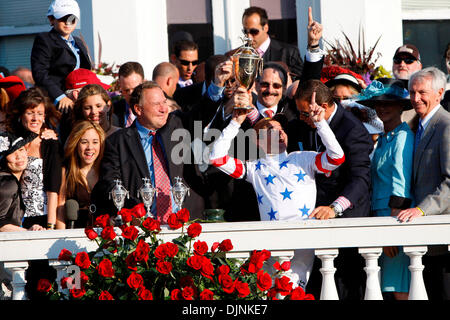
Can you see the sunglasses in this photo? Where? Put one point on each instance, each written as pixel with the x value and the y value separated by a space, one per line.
pixel 274 85
pixel 186 62
pixel 252 31
pixel 69 19
pixel 304 114
pixel 407 60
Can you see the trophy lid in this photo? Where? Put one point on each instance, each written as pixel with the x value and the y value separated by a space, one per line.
pixel 246 48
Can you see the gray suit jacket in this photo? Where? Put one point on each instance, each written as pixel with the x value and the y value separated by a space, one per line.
pixel 432 166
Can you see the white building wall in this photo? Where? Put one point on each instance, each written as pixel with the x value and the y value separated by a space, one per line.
pixel 132 30
pixel 377 18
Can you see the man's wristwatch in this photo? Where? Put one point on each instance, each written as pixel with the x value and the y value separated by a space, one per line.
pixel 337 209
pixel 314 48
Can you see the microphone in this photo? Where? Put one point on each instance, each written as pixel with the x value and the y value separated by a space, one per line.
pixel 72 208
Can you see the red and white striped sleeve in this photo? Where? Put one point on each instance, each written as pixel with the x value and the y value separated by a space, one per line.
pixel 334 156
pixel 219 157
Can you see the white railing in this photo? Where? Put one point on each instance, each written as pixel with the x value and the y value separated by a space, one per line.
pixel 281 238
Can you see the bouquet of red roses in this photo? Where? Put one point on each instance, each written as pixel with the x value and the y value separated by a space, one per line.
pixel 136 265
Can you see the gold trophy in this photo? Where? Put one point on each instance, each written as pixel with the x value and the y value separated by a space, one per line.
pixel 247 65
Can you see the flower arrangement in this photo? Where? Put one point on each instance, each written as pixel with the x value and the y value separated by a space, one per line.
pixel 137 265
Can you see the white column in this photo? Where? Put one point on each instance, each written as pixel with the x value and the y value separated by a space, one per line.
pixel 18 282
pixel 328 290
pixel 60 267
pixel 373 289
pixel 417 289
pixel 227 24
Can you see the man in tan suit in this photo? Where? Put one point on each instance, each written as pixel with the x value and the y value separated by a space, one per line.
pixel 431 170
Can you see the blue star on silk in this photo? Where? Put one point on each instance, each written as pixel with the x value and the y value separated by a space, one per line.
pixel 300 176
pixel 258 165
pixel 304 210
pixel 284 164
pixel 286 194
pixel 269 179
pixel 272 214
pixel 260 196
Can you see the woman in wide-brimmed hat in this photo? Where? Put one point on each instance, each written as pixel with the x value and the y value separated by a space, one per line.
pixel 392 164
pixel 13 161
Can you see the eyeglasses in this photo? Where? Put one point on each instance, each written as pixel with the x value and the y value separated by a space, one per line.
pixel 407 60
pixel 274 85
pixel 230 82
pixel 252 31
pixel 186 62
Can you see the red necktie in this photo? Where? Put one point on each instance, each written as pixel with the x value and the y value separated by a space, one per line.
pixel 162 181
pixel 269 113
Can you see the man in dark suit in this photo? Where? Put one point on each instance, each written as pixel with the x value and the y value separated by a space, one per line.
pixel 346 192
pixel 131 74
pixel 57 53
pixel 146 150
pixel 255 24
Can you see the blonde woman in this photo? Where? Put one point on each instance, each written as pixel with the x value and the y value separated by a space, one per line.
pixel 83 153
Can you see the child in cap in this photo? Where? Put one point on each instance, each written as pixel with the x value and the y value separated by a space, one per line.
pixel 57 53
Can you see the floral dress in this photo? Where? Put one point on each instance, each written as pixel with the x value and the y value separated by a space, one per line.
pixel 32 185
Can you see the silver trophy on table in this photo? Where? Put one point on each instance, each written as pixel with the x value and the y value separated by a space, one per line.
pixel 247 65
pixel 179 191
pixel 118 195
pixel 147 193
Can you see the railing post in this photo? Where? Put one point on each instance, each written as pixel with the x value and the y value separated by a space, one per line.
pixel 60 267
pixel 328 290
pixel 373 289
pixel 18 278
pixel 417 289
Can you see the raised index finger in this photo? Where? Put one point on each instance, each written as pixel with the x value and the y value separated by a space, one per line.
pixel 310 17
pixel 313 98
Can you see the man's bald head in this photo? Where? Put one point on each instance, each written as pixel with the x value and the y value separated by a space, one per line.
pixel 166 75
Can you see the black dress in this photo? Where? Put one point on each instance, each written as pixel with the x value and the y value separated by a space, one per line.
pixel 11 205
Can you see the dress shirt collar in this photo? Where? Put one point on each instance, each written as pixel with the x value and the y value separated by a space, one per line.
pixel 332 115
pixel 264 46
pixel 262 109
pixel 425 121
pixel 144 133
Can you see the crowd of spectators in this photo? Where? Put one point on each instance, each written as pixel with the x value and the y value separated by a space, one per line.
pixel 64 138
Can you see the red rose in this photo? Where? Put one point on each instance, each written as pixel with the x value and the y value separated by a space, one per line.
pixel 83 278
pixel 139 210
pixel 130 232
pixel 171 249
pixel 264 281
pixel 105 295
pixel 145 294
pixel 186 281
pixel 206 295
pixel 200 247
pixel 65 255
pixel 226 245
pixel 187 293
pixel 82 260
pixel 108 233
pixel 173 221
pixel 164 267
pixel 127 215
pixel 194 230
pixel 227 283
pixel 214 246
pixel 44 286
pixel 105 268
pixel 223 269
pixel 175 294
pixel 151 224
pixel 207 269
pixel 183 215
pixel 195 262
pixel 135 280
pixel 77 293
pixel 283 285
pixel 66 282
pixel 102 221
pixel 285 266
pixel 131 261
pixel 257 260
pixel 242 289
pixel 142 251
pixel 90 233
